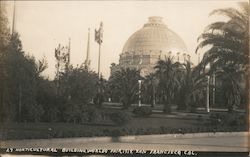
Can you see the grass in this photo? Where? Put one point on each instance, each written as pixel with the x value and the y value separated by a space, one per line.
pixel 49 130
pixel 157 123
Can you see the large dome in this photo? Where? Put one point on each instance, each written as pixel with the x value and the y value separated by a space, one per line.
pixel 154 36
pixel 149 44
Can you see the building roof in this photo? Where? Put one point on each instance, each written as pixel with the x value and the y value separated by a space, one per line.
pixel 155 36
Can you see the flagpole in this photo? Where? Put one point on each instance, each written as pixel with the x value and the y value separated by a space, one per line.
pixel 98 39
pixel 14 19
pixel 99 60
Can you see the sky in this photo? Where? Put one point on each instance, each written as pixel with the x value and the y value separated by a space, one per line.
pixel 43 25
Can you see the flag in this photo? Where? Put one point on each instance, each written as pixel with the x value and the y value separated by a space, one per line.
pixel 99 34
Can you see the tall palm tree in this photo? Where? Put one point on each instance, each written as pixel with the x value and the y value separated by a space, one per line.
pixel 229 46
pixel 229 40
pixel 231 79
pixel 192 85
pixel 167 73
pixel 149 89
pixel 125 83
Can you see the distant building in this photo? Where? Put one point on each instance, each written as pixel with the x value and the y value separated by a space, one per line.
pixel 149 44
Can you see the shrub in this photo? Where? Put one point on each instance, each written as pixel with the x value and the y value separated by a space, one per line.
pixel 120 118
pixel 167 109
pixel 242 120
pixel 142 111
pixel 216 119
pixel 115 132
pixel 124 131
pixel 236 120
pixel 91 114
pixel 228 122
pixel 199 119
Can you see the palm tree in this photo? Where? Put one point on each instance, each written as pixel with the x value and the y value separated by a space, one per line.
pixel 230 78
pixel 149 89
pixel 125 84
pixel 167 72
pixel 192 85
pixel 229 42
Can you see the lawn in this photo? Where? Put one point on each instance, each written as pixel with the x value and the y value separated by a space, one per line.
pixel 49 130
pixel 157 123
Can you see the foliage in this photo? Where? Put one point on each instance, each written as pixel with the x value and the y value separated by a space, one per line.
pixel 33 112
pixel 62 130
pixel 230 83
pixel 4 31
pixel 47 97
pixel 229 49
pixel 4 41
pixel 21 83
pixel 120 117
pixel 29 97
pixel 125 84
pixel 79 89
pixel 93 114
pixel 101 91
pixel 62 56
pixel 168 73
pixel 149 88
pixel 84 114
pixel 142 111
pixel 192 85
pixel 229 40
pixel 230 120
pixel 80 85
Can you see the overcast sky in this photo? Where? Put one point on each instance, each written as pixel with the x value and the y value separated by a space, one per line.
pixel 42 25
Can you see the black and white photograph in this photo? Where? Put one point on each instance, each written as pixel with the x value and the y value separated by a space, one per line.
pixel 124 78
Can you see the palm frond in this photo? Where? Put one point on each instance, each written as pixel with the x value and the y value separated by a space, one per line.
pixel 215 26
pixel 231 13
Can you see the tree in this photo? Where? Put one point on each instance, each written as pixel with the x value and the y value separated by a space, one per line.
pixel 4 41
pixel 81 90
pixel 62 55
pixel 81 85
pixel 21 83
pixel 230 78
pixel 167 72
pixel 149 89
pixel 229 40
pixel 125 83
pixel 192 85
pixel 41 65
pixel 229 47
pixel 47 98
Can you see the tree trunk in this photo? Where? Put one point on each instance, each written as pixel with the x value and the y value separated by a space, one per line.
pixel 2 109
pixel 167 106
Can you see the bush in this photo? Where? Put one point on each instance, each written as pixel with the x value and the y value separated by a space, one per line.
pixel 120 118
pixel 228 122
pixel 167 109
pixel 199 119
pixel 236 120
pixel 142 111
pixel 94 114
pixel 216 119
pixel 115 132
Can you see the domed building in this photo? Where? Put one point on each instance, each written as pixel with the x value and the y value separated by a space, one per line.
pixel 149 44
